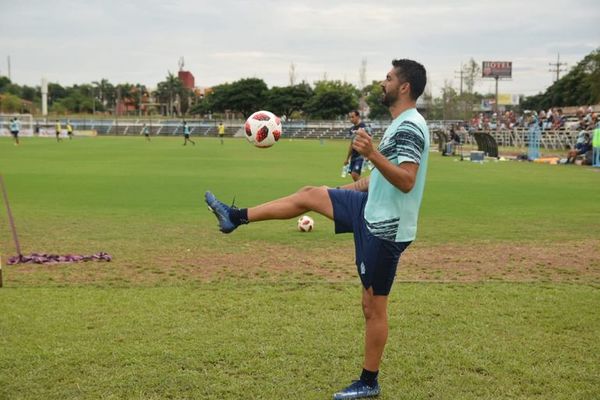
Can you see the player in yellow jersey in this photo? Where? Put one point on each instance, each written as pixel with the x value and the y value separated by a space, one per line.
pixel 221 131
pixel 58 128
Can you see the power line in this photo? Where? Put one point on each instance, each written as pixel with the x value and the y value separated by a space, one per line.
pixel 557 67
pixel 461 76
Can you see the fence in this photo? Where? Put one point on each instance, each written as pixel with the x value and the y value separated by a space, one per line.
pixel 339 129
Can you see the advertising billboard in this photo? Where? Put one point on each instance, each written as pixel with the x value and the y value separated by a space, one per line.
pixel 496 69
pixel 507 99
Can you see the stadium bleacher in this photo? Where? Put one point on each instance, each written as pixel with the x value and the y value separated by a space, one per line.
pixel 334 130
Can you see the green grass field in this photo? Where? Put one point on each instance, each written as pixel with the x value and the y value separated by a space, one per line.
pixel 498 298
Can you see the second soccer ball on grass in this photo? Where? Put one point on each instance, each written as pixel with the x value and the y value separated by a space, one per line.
pixel 305 223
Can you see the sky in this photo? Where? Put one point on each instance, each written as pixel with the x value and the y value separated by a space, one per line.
pixel 75 42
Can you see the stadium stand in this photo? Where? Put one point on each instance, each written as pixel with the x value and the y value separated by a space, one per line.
pixel 487 140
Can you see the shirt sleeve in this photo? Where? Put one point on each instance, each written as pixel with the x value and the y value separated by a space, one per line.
pixel 409 143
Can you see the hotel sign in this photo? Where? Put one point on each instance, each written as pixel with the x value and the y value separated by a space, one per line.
pixel 496 69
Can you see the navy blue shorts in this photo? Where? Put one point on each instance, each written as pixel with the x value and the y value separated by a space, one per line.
pixel 376 258
pixel 356 165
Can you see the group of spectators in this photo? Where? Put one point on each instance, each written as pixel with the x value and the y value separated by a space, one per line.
pixel 553 119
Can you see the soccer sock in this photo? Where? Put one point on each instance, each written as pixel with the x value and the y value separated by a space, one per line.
pixel 239 216
pixel 369 377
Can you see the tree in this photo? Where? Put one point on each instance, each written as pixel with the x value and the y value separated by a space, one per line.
pixel 58 108
pixel 215 101
pixel 105 92
pixel 472 73
pixel 374 95
pixel 30 93
pixel 168 91
pixel 332 99
pixel 247 96
pixel 9 103
pixel 288 99
pixel 139 93
pixel 56 92
pixel 4 83
pixel 451 105
pixel 579 87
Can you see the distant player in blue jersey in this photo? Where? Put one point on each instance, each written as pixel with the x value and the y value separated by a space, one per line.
pixel 381 210
pixel 15 128
pixel 146 132
pixel 354 160
pixel 186 134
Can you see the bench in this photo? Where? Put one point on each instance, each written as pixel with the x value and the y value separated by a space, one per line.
pixel 486 143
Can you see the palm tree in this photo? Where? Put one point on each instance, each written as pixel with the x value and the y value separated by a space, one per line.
pixel 105 92
pixel 168 91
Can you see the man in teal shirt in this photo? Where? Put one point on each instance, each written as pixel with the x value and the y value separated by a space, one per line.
pixel 381 210
pixel 15 127
pixel 186 134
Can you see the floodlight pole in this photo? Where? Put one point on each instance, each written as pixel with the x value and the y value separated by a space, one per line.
pixel 10 218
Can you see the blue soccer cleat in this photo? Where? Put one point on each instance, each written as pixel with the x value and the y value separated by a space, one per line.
pixel 358 390
pixel 221 211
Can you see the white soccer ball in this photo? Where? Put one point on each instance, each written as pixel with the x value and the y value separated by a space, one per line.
pixel 305 223
pixel 263 129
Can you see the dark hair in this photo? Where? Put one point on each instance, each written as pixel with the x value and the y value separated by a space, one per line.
pixel 413 73
pixel 355 112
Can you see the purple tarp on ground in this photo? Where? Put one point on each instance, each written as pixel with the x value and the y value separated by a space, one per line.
pixel 36 258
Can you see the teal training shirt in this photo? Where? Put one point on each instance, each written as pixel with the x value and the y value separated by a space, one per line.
pixel 391 214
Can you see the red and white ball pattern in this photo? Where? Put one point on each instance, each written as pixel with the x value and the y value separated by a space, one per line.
pixel 263 129
pixel 305 223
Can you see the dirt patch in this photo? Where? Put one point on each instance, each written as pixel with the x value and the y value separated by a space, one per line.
pixel 575 262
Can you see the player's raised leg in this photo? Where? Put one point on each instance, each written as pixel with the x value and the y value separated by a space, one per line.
pixel 309 198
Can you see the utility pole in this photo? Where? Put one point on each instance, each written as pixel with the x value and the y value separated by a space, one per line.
pixel 461 76
pixel 117 110
pixel 362 73
pixel 292 74
pixel 557 67
pixel 8 62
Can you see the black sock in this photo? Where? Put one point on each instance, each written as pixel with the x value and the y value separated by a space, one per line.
pixel 239 216
pixel 369 377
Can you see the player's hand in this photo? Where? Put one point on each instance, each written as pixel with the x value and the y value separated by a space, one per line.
pixel 363 143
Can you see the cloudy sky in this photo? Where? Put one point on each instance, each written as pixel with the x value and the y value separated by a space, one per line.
pixel 221 41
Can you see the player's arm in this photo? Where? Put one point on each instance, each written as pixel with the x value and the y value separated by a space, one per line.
pixel 402 176
pixel 361 185
pixel 347 160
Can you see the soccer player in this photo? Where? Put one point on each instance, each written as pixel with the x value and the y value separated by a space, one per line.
pixel 221 130
pixel 381 210
pixel 69 130
pixel 15 128
pixel 58 128
pixel 354 159
pixel 186 134
pixel 145 132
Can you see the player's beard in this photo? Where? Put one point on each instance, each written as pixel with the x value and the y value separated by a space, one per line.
pixel 388 98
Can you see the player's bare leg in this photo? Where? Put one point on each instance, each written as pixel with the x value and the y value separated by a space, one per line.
pixel 376 328
pixel 309 198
